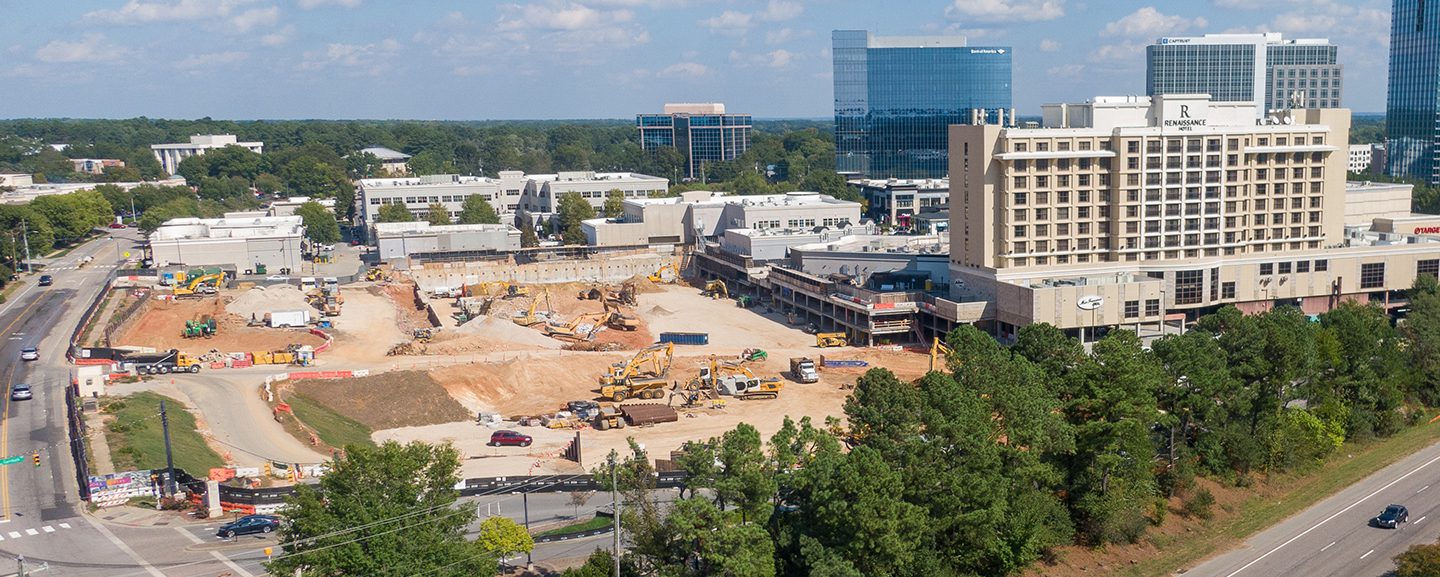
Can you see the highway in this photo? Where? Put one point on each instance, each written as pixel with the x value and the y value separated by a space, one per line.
pixel 1333 537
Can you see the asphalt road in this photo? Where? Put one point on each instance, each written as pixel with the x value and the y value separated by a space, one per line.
pixel 1333 537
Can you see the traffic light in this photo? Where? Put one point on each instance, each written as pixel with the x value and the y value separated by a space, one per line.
pixel 36 456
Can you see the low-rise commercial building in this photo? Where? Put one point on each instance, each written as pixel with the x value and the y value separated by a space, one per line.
pixel 1360 157
pixel 16 180
pixel 1367 201
pixel 393 162
pixel 27 193
pixel 287 206
pixel 417 193
pixel 404 239
pixel 250 244
pixel 543 191
pixel 707 215
pixel 96 165
pixel 895 201
pixel 170 155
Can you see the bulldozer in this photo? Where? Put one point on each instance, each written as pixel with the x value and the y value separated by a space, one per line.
pixel 737 381
pixel 666 274
pixel 824 340
pixel 205 327
pixel 201 285
pixel 574 331
pixel 376 274
pixel 938 352
pixel 642 376
pixel 716 289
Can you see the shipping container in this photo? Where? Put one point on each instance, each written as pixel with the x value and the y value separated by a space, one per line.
pixel 685 338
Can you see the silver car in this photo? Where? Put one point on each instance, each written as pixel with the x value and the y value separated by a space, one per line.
pixel 29 354
pixel 20 392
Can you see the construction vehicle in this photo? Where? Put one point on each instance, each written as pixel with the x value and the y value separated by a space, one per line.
pixel 626 296
pixel 737 381
pixel 642 376
pixel 744 301
pixel 716 289
pixel 753 355
pixel 666 274
pixel 939 351
pixel 824 340
pixel 205 327
pixel 424 334
pixel 624 322
pixel 580 328
pixel 200 285
pixel 172 361
pixel 609 417
pixel 375 274
pixel 802 369
pixel 530 319
pixel 591 294
pixel 471 308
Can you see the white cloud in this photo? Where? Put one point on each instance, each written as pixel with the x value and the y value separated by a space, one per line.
pixel 137 12
pixel 312 4
pixel 729 22
pixel 780 36
pixel 564 27
pixel 249 19
pixel 736 23
pixel 781 10
pixel 684 70
pixel 780 58
pixel 1122 55
pixel 1067 71
pixel 1005 10
pixel 212 59
pixel 90 49
pixel 1148 22
pixel 278 37
pixel 562 16
pixel 1048 45
pixel 374 59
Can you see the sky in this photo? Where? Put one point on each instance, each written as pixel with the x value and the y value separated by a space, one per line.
pixel 571 59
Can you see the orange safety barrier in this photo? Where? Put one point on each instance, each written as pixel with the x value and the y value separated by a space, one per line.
pixel 217 365
pixel 242 364
pixel 222 474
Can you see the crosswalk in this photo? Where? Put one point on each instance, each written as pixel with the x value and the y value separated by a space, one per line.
pixel 32 532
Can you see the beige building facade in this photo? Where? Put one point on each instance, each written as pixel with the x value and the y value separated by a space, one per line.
pixel 1130 210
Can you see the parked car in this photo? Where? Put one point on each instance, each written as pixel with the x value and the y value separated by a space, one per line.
pixel 46 280
pixel 1392 517
pixel 29 354
pixel 117 225
pixel 277 278
pixel 501 438
pixel 20 392
pixel 249 524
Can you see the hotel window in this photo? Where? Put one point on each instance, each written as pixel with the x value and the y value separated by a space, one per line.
pixel 1132 309
pixel 1429 267
pixel 1019 232
pixel 1042 230
pixel 1132 146
pixel 1021 182
pixel 1062 145
pixel 1042 146
pixel 1267 268
pixel 1372 275
pixel 1042 198
pixel 1042 214
pixel 1227 290
pixel 1020 199
pixel 1062 196
pixel 1042 164
pixel 1020 215
pixel 1152 307
pixel 1084 196
pixel 1284 268
pixel 1302 266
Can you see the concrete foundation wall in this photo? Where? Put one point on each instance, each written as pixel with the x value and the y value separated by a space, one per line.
pixel 616 269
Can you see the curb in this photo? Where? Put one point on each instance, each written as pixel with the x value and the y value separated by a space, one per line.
pixel 574 536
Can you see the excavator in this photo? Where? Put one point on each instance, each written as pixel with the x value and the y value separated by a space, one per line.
pixel 824 340
pixel 571 331
pixel 201 285
pixel 643 376
pixel 666 274
pixel 737 381
pixel 529 319
pixel 939 351
pixel 716 289
pixel 618 319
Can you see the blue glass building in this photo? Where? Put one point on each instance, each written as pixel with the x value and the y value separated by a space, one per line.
pixel 1261 68
pixel 704 133
pixel 1412 111
pixel 895 98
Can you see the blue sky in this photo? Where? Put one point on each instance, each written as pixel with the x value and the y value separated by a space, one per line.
pixel 466 60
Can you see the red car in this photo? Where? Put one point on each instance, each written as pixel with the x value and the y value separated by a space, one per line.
pixel 117 225
pixel 501 438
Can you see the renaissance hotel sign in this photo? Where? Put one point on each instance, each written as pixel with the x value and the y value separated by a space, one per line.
pixel 1183 113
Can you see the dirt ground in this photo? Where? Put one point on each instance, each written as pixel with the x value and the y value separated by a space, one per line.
pixel 386 400
pixel 369 324
pixel 160 324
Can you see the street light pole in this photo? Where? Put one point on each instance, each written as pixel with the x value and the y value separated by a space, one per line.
pixel 615 509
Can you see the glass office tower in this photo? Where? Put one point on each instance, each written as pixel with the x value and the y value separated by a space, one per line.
pixel 1411 111
pixel 895 98
pixel 704 133
pixel 1260 68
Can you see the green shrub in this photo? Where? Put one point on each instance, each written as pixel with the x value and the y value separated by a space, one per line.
pixel 1199 505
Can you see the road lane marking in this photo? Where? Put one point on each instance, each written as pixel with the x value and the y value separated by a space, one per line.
pixel 216 554
pixel 1332 544
pixel 31 532
pixel 64 525
pixel 1367 553
pixel 1421 519
pixel 14 534
pixel 123 547
pixel 1331 517
pixel 48 529
pixel 5 418
pixel 1422 489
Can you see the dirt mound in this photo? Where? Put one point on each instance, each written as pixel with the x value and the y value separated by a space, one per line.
pixel 527 384
pixel 260 300
pixel 659 311
pixel 373 400
pixel 643 285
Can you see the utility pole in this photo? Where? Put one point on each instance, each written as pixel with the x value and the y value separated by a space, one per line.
pixel 20 559
pixel 615 509
pixel 169 459
pixel 25 238
pixel 525 498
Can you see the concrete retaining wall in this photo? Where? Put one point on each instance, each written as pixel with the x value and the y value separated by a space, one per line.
pixel 613 269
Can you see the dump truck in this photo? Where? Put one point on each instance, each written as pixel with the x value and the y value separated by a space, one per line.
pixel 643 376
pixel 802 369
pixel 643 388
pixel 824 340
pixel 609 417
pixel 172 361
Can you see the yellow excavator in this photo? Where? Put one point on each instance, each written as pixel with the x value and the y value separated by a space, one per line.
pixel 939 351
pixel 666 274
pixel 824 340
pixel 643 376
pixel 737 381
pixel 201 285
pixel 571 330
pixel 716 289
pixel 529 319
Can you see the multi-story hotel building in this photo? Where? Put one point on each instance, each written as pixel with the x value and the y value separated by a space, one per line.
pixel 1129 210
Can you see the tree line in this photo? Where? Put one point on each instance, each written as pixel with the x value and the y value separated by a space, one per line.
pixel 987 466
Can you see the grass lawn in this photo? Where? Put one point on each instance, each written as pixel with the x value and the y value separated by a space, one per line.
pixel 333 428
pixel 587 525
pixel 136 440
pixel 1350 464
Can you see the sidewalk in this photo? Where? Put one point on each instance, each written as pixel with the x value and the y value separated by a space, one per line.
pixel 128 516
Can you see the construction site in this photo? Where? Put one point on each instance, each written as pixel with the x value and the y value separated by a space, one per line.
pixel 648 356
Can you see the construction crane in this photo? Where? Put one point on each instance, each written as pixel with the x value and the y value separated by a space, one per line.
pixel 529 319
pixel 666 274
pixel 938 351
pixel 643 376
pixel 716 289
pixel 200 285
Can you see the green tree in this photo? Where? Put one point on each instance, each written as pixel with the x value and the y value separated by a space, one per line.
pixel 429 162
pixel 744 477
pixel 504 537
pixel 193 168
pixel 232 187
pixel 384 509
pixel 573 210
pixel 233 161
pixel 1421 330
pixel 855 506
pixel 121 174
pixel 363 165
pixel 320 225
pixel 394 213
pixel 268 183
pixel 614 203
pixel 706 543
pixel 437 215
pixel 477 210
pixel 1420 560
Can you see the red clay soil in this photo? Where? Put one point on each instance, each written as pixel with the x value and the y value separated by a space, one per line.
pixel 160 324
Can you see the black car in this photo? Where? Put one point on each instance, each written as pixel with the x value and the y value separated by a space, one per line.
pixel 46 280
pixel 1392 517
pixel 249 524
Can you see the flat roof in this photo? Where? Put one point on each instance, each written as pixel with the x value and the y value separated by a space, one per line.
pixel 230 227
